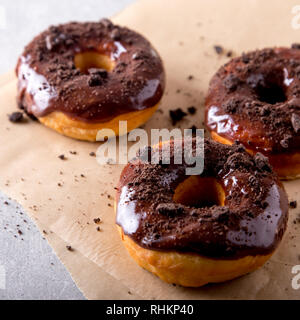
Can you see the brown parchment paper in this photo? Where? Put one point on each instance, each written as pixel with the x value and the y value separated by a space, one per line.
pixel 184 32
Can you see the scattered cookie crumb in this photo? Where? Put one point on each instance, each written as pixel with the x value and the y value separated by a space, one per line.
pixel 62 157
pixel 69 248
pixel 219 49
pixel 192 110
pixel 293 204
pixel 97 220
pixel 93 154
pixel 16 117
pixel 177 115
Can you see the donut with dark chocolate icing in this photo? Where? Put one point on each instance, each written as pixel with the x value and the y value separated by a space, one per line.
pixel 195 230
pixel 255 99
pixel 90 76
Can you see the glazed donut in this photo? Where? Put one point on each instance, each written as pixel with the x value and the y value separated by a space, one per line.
pixel 79 78
pixel 255 99
pixel 196 230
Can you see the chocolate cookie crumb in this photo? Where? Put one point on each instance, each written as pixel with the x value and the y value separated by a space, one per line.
pixel 16 117
pixel 219 49
pixel 93 154
pixel 177 115
pixel 231 82
pixel 192 110
pixel 97 221
pixel 69 248
pixel 295 122
pixel 295 46
pixel 293 204
pixel 62 157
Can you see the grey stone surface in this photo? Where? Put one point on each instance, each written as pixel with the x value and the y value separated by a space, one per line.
pixel 28 267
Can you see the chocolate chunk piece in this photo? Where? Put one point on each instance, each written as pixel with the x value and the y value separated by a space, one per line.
pixel 293 204
pixel 170 209
pixel 97 77
pixel 95 81
pixel 116 34
pixel 262 162
pixel 231 106
pixel 99 72
pixel 295 46
pixel 285 141
pixel 16 117
pixel 97 220
pixel 295 122
pixel 106 23
pixel 177 115
pixel 192 110
pixel 231 82
pixel 218 49
pixel 62 157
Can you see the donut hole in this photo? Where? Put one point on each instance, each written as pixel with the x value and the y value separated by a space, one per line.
pixel 269 88
pixel 199 192
pixel 271 94
pixel 92 60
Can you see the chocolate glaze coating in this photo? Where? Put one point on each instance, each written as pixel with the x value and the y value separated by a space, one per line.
pixel 252 222
pixel 255 99
pixel 49 80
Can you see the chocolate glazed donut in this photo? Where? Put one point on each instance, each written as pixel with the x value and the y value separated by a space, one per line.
pixel 255 99
pixel 79 78
pixel 202 229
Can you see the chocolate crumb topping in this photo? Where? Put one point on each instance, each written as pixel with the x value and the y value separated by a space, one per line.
pixel 295 122
pixel 254 202
pixel 295 46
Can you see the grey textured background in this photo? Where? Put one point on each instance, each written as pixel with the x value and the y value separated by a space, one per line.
pixel 28 267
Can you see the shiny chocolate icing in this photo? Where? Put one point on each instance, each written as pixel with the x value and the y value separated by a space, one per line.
pixel 49 81
pixel 255 99
pixel 252 221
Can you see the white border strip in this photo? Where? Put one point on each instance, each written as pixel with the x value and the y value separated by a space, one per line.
pixel 2 18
